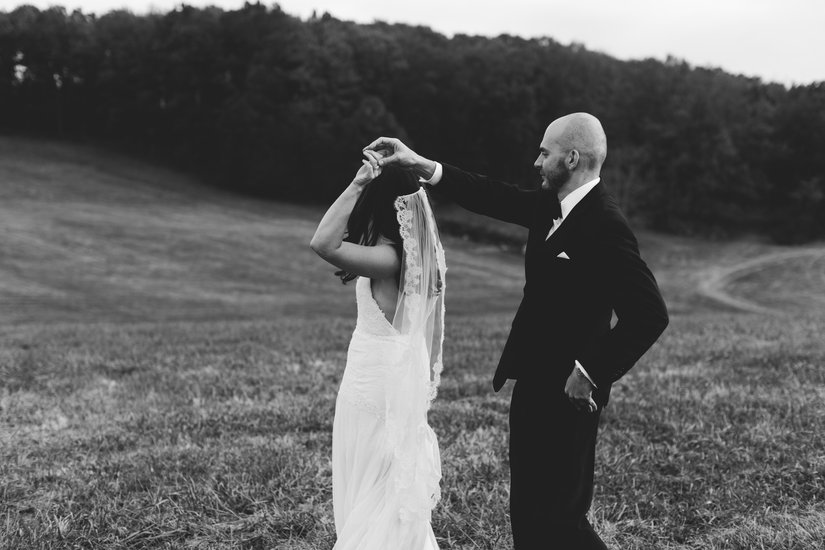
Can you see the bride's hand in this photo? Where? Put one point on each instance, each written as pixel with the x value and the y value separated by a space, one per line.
pixel 369 171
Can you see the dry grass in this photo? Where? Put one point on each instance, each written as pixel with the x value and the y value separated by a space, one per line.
pixel 166 380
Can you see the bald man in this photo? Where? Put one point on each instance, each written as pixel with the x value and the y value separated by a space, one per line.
pixel 582 264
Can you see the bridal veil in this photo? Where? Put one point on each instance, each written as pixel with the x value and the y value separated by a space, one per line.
pixel 413 379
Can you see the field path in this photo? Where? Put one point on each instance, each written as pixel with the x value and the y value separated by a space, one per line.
pixel 720 283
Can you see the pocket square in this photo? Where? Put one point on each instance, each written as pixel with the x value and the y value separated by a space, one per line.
pixel 563 255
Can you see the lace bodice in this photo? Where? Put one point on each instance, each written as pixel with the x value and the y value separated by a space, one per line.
pixel 374 345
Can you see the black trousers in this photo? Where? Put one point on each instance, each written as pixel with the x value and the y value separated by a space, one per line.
pixel 552 454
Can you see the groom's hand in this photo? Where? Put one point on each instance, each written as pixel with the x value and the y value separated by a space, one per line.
pixel 393 151
pixel 580 392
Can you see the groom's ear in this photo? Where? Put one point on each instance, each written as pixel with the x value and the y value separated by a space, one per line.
pixel 572 159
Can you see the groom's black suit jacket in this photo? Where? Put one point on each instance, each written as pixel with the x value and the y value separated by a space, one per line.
pixel 567 308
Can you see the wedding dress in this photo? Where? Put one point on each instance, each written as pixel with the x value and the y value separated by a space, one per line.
pixel 386 466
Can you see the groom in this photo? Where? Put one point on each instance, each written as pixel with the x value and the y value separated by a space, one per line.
pixel 582 264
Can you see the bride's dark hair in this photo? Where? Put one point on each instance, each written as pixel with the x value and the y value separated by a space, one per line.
pixel 374 215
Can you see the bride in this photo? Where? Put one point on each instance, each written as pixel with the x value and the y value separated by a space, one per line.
pixel 386 467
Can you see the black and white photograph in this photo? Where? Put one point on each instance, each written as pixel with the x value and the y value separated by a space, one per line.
pixel 422 275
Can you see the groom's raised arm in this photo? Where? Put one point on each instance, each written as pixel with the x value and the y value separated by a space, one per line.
pixel 484 195
pixel 474 192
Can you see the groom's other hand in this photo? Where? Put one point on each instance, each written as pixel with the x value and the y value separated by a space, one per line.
pixel 392 151
pixel 579 391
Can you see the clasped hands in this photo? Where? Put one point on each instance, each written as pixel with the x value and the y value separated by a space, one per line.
pixel 392 151
pixel 383 152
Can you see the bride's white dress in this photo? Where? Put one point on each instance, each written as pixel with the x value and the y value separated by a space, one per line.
pixel 370 514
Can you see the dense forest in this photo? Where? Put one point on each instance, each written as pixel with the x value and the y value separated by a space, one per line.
pixel 263 102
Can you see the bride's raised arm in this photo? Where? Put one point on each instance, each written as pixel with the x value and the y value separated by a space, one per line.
pixel 376 262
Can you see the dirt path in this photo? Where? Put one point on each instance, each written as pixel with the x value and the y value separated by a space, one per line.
pixel 715 281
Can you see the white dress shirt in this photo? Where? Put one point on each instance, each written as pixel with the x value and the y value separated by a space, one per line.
pixel 436 177
pixel 567 204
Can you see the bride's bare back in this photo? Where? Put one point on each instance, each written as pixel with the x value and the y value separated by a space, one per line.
pixel 385 294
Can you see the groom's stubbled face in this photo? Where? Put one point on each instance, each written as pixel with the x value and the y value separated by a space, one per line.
pixel 551 162
pixel 554 177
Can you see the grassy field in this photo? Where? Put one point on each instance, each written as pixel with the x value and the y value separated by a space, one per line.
pixel 169 358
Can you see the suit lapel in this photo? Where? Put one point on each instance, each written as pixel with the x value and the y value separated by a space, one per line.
pixel 576 221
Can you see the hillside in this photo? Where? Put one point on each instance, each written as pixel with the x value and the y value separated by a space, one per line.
pixel 91 236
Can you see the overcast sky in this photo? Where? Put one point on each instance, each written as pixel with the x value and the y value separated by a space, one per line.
pixel 779 40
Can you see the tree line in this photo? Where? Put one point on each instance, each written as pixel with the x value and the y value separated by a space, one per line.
pixel 262 102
